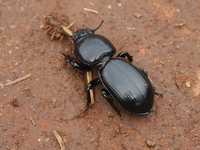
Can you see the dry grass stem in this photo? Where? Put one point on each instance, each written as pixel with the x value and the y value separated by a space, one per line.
pixel 59 139
pixel 89 78
pixel 90 10
pixel 19 79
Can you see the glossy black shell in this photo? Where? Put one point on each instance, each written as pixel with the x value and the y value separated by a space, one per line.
pixel 92 48
pixel 129 86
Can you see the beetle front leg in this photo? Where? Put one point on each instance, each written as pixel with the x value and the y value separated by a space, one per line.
pixel 74 63
pixel 105 94
pixel 125 54
pixel 90 86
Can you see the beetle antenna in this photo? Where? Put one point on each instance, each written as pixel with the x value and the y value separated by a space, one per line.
pixel 98 26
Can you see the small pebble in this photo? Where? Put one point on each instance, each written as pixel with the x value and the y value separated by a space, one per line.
pixel 12 26
pixel 187 84
pixel 137 15
pixel 46 140
pixel 8 81
pixel 150 143
pixel 109 7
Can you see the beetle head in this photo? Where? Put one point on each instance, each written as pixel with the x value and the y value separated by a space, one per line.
pixel 79 34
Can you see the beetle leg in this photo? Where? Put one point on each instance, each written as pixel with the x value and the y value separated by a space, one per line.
pixel 74 63
pixel 125 54
pixel 159 94
pixel 141 69
pixel 90 86
pixel 105 94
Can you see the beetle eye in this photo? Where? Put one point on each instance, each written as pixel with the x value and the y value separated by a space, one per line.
pixel 88 31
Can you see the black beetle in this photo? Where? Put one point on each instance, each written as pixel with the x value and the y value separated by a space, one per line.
pixel 127 84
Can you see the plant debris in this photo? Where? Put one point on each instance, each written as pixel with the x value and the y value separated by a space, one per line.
pixel 53 23
pixel 180 24
pixel 137 15
pixel 90 10
pixel 179 80
pixel 89 78
pixel 59 139
pixel 14 102
pixel 19 79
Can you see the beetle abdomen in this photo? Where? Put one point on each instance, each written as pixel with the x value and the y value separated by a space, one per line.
pixel 128 86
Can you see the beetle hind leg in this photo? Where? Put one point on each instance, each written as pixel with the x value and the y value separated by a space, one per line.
pixel 125 54
pixel 105 94
pixel 143 71
pixel 159 94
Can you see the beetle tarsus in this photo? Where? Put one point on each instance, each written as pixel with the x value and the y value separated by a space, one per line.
pixel 125 54
pixel 74 63
pixel 159 94
pixel 90 86
pixel 141 69
pixel 105 94
pixel 63 54
pixel 87 106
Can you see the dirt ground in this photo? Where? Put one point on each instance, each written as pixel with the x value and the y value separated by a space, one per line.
pixel 162 35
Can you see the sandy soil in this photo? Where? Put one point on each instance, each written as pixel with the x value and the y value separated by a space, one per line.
pixel 162 35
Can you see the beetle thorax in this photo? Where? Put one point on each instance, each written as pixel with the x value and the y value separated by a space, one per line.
pixel 91 49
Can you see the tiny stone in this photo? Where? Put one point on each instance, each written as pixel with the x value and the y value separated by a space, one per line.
pixel 150 143
pixel 47 140
pixel 119 4
pixel 187 84
pixel 12 26
pixel 109 7
pixel 117 129
pixel 137 15
pixel 8 81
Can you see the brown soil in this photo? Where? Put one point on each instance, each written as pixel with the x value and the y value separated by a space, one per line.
pixel 162 35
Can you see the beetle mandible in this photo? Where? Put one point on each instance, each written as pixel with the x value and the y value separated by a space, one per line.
pixel 126 84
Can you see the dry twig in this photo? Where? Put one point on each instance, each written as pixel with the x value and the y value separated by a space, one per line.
pixel 59 139
pixel 89 78
pixel 180 24
pixel 152 82
pixel 19 79
pixel 1 84
pixel 59 72
pixel 90 10
pixel 67 28
pixel 32 121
